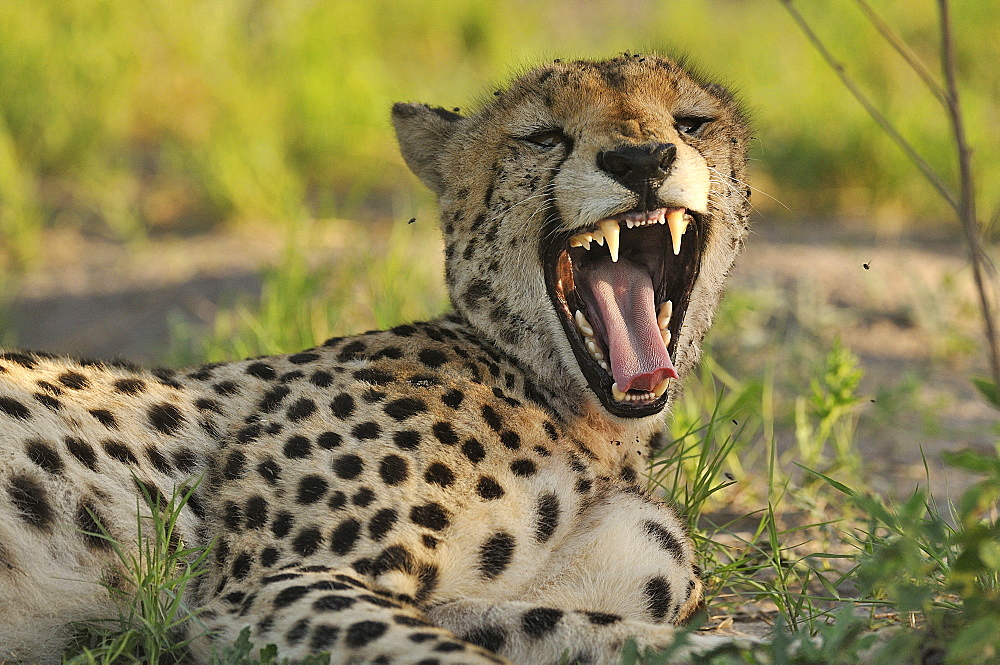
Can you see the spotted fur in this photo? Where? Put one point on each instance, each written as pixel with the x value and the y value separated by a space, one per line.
pixel 441 492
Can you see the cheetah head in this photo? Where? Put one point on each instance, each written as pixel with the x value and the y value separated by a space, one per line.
pixel 591 212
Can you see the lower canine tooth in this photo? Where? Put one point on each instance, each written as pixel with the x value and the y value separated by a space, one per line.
pixel 662 387
pixel 665 334
pixel 616 393
pixel 666 311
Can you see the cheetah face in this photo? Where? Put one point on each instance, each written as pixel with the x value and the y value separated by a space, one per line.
pixel 609 203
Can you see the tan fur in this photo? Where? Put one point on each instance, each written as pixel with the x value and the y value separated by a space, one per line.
pixel 401 496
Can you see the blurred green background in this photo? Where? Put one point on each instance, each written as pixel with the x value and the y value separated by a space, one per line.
pixel 126 119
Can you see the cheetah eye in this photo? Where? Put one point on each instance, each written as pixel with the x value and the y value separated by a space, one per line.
pixel 692 126
pixel 547 138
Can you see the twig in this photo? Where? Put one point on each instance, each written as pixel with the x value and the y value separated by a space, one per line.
pixel 967 202
pixel 932 176
pixel 903 50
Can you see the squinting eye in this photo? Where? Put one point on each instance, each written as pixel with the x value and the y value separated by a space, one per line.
pixel 691 126
pixel 549 138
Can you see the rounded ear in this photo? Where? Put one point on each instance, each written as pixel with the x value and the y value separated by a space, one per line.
pixel 422 131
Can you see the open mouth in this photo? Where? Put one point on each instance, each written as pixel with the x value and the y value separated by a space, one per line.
pixel 622 288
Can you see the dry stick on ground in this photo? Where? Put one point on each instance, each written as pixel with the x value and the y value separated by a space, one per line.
pixel 964 204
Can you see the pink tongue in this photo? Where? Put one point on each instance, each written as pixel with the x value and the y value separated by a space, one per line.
pixel 622 294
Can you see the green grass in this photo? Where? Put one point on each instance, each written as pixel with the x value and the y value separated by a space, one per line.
pixel 167 116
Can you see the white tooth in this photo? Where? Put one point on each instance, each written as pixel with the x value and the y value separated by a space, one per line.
pixel 678 225
pixel 665 334
pixel 583 324
pixel 591 346
pixel 598 355
pixel 604 366
pixel 662 387
pixel 611 231
pixel 666 311
pixel 598 235
pixel 617 394
pixel 575 241
pixel 629 223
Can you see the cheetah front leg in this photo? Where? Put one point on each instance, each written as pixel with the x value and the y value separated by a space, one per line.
pixel 529 634
pixel 312 609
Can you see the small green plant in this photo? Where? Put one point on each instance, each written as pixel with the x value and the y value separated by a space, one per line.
pixel 154 576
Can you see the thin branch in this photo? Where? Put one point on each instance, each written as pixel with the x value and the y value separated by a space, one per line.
pixel 928 171
pixel 967 202
pixel 903 50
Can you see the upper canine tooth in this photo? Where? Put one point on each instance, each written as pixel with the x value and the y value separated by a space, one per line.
pixel 583 324
pixel 678 225
pixel 666 311
pixel 611 232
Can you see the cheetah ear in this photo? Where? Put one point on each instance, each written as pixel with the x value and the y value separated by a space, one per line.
pixel 422 131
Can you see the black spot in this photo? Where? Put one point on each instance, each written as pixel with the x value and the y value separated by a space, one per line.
pixel 583 485
pixel 548 517
pixel 439 474
pixel 363 497
pixel 269 471
pixel 14 409
pixel 404 408
pixel 323 637
pixel 477 290
pixel 307 541
pixel 430 515
pixel 539 621
pixel 297 447
pixel 491 638
pixel 249 433
pixel 273 398
pixel 289 595
pixel 332 603
pixel 48 401
pixel 22 359
pixel 321 379
pixel 119 451
pixel 241 566
pixel 406 439
pixel 523 467
pixel 329 440
pixel 235 466
pixel 232 516
pixel 44 455
pixel 488 488
pixel 366 431
pixel 473 450
pixel 381 523
pixel 445 433
pixel 362 633
pixel 344 536
pixel 303 358
pixel 391 352
pixel 205 404
pixel 261 371
pixel 449 647
pixel 269 557
pixel 351 351
pixel 226 388
pixel 602 619
pixel 374 376
pixel 348 466
pixel 665 539
pixel 628 475
pixel 453 398
pixel 550 429
pixel 302 408
pixel 73 380
pixel 432 357
pixel 429 541
pixel 337 500
pixel 395 557
pixel 282 524
pixel 105 417
pixel 495 554
pixel 403 331
pixel 166 418
pixel 372 396
pixel 312 488
pixel 492 418
pixel 157 459
pixel 393 469
pixel 658 598
pixel 29 499
pixel 185 460
pixel 90 525
pixel 256 512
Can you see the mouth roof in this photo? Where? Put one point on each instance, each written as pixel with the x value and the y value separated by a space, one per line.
pixel 622 288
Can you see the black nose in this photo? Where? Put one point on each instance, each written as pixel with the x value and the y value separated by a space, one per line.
pixel 638 166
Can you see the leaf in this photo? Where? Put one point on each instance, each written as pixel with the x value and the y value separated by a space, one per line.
pixel 988 389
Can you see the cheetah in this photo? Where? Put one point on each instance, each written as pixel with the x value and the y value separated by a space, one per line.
pixel 464 490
